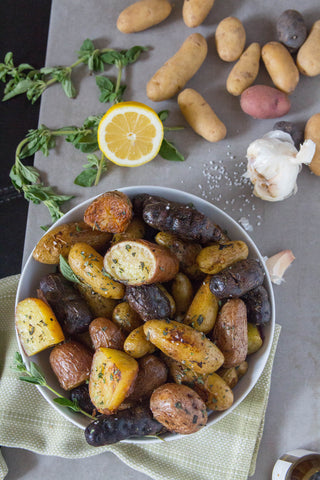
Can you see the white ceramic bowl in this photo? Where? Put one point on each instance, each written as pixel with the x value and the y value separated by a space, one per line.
pixel 34 270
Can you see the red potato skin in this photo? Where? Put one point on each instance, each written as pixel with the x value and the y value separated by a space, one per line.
pixel 105 333
pixel 262 101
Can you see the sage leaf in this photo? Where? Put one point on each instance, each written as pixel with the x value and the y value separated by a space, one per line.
pixel 67 271
pixel 169 152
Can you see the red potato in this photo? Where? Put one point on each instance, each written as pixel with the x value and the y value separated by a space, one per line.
pixel 262 101
pixel 105 333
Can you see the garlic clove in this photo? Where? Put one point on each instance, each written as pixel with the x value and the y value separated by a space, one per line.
pixel 278 264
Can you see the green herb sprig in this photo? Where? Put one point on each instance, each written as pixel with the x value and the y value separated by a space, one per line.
pixel 35 376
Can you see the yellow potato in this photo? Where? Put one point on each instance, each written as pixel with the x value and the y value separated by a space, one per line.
pixel 136 229
pixel 142 15
pixel 184 344
pixel 308 58
pixel 126 318
pixel 230 39
pixel 229 375
pixel 194 12
pixel 215 258
pixel 100 306
pixel 220 396
pixel 200 116
pixel 88 265
pixel 254 338
pixel 312 132
pixel 203 310
pixel 280 66
pixel 177 71
pixel 245 71
pixel 137 345
pixel 182 293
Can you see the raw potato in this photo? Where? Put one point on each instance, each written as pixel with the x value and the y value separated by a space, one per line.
pixel 214 258
pixel 87 263
pixel 100 306
pixel 142 15
pixel 219 394
pixel 312 132
pixel 152 373
pixel 37 326
pixel 71 363
pixel 59 240
pixel 112 376
pixel 291 29
pixel 137 345
pixel 230 39
pixel 245 71
pixel 139 262
pixel 230 332
pixel 262 101
pixel 280 66
pixel 308 58
pixel 203 310
pixel 194 12
pixel 200 116
pixel 182 292
pixel 184 344
pixel 126 317
pixel 254 339
pixel 110 212
pixel 179 408
pixel 179 69
pixel 104 333
pixel 136 229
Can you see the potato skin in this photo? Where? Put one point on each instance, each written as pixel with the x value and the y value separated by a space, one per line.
pixel 179 408
pixel 312 132
pixel 59 240
pixel 194 12
pixel 203 310
pixel 254 339
pixel 100 306
pixel 230 39
pixel 142 15
pixel 149 301
pixel 152 373
pixel 262 101
pixel 308 58
pixel 214 258
pixel 81 395
pixel 179 69
pixel 182 292
pixel 184 344
pixel 200 116
pixel 245 71
pixel 297 133
pixel 280 66
pixel 71 363
pixel 136 229
pixel 291 29
pixel 137 345
pixel 219 394
pixel 258 306
pixel 126 317
pixel 104 333
pixel 110 212
pixel 230 332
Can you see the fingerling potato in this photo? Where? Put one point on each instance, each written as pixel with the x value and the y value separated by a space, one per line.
pixel 110 212
pixel 137 345
pixel 280 66
pixel 136 229
pixel 200 116
pixel 104 333
pixel 312 132
pixel 214 258
pixel 126 317
pixel 182 292
pixel 245 71
pixel 149 301
pixel 254 339
pixel 142 15
pixel 100 306
pixel 194 12
pixel 219 394
pixel 203 310
pixel 308 58
pixel 152 373
pixel 230 39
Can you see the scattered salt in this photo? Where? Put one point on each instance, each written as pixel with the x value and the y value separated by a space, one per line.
pixel 244 222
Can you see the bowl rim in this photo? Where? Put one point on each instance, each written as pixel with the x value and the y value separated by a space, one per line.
pixel 171 192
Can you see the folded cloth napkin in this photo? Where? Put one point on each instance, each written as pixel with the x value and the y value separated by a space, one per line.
pixel 224 451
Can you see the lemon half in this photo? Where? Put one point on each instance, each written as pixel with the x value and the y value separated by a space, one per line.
pixel 130 134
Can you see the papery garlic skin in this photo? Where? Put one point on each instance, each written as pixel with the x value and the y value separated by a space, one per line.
pixel 278 264
pixel 274 164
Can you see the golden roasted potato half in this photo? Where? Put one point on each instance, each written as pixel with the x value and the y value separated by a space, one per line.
pixel 111 212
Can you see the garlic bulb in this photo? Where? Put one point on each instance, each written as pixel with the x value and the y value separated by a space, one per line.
pixel 274 164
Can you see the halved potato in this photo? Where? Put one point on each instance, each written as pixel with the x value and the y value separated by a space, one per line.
pixel 112 375
pixel 110 212
pixel 139 262
pixel 37 326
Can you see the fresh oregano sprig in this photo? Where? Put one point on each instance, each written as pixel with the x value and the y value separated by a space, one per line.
pixel 36 377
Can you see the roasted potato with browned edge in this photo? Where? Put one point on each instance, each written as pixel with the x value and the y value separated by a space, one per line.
pixel 149 301
pixel 110 212
pixel 152 373
pixel 126 317
pixel 137 345
pixel 105 333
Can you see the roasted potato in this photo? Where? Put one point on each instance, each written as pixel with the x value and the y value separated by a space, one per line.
pixel 110 212
pixel 105 333
pixel 258 306
pixel 179 408
pixel 59 240
pixel 194 12
pixel 230 332
pixel 139 262
pixel 71 363
pixel 87 263
pixel 242 369
pixel 69 307
pixel 100 306
pixel 149 301
pixel 142 15
pixel 214 258
pixel 179 373
pixel 230 39
pixel 182 292
pixel 245 71
pixel 280 66
pixel 219 394
pixel 203 310
pixel 126 317
pixel 112 376
pixel 37 326
pixel 200 116
pixel 254 339
pixel 262 101
pixel 179 69
pixel 152 373
pixel 229 375
pixel 81 396
pixel 109 429
pixel 291 29
pixel 136 229
pixel 137 345
pixel 312 132
pixel 238 279
pixel 184 344
pixel 308 58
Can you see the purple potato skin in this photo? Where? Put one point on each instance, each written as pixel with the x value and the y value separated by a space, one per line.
pixel 81 395
pixel 258 306
pixel 262 101
pixel 291 30
pixel 296 133
pixel 149 301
